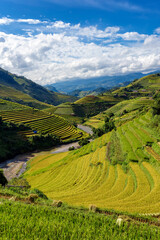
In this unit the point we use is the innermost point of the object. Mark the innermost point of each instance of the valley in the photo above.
(116, 170)
(79, 120)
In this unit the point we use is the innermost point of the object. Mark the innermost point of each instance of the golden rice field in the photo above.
(42, 122)
(86, 176)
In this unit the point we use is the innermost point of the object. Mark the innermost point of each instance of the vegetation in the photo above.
(40, 122)
(28, 214)
(21, 90)
(44, 141)
(107, 127)
(83, 141)
(67, 111)
(92, 105)
(51, 223)
(119, 170)
(123, 162)
(14, 95)
(122, 112)
(12, 143)
(145, 86)
(3, 180)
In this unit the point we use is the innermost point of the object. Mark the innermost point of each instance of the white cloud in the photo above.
(64, 51)
(60, 24)
(76, 30)
(157, 30)
(6, 21)
(133, 36)
(29, 21)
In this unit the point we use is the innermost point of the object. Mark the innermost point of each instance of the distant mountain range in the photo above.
(92, 84)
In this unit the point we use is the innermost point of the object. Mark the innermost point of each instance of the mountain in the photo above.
(13, 95)
(145, 86)
(81, 93)
(93, 83)
(51, 88)
(11, 84)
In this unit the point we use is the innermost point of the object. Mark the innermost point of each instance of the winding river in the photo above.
(16, 166)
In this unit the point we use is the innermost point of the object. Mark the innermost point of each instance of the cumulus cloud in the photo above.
(76, 30)
(6, 21)
(29, 21)
(61, 51)
(133, 36)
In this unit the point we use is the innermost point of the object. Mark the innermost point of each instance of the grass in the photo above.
(7, 105)
(23, 221)
(13, 95)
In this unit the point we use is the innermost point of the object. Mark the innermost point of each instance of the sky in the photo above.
(49, 41)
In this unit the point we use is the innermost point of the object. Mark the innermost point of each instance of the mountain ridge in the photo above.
(34, 90)
(91, 84)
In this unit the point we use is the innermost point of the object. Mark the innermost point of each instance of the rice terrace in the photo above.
(79, 120)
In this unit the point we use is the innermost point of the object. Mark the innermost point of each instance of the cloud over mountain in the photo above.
(49, 51)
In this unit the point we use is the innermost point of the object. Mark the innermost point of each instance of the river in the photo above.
(85, 129)
(16, 166)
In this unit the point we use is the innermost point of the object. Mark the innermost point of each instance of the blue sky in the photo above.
(56, 40)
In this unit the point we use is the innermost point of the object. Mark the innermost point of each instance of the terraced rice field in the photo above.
(86, 176)
(7, 105)
(42, 122)
(123, 112)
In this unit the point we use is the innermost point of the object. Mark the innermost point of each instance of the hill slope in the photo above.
(14, 95)
(124, 162)
(145, 86)
(42, 122)
(30, 88)
(121, 112)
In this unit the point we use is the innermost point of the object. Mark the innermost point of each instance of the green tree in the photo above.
(3, 179)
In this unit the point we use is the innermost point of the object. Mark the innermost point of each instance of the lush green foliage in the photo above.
(107, 127)
(13, 143)
(7, 105)
(23, 221)
(156, 107)
(122, 112)
(44, 141)
(83, 141)
(10, 142)
(24, 91)
(3, 180)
